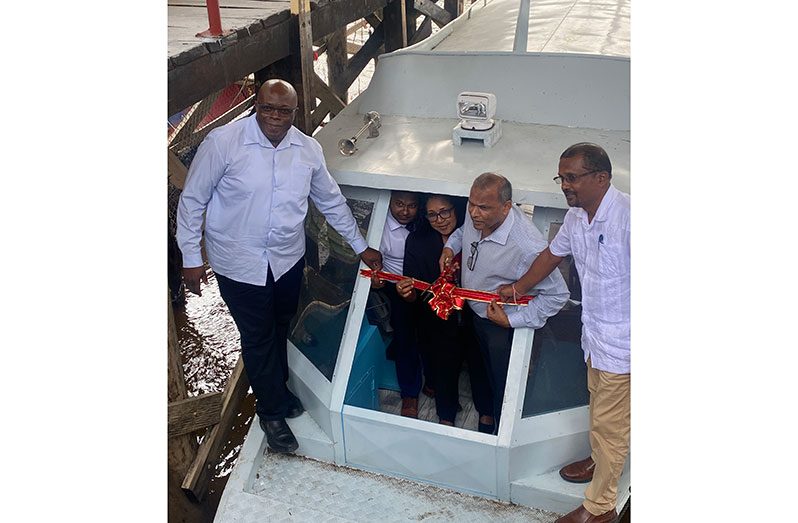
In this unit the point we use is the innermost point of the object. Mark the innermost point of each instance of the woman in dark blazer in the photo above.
(445, 342)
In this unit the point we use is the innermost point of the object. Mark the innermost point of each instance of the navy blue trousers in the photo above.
(404, 346)
(263, 314)
(448, 344)
(494, 344)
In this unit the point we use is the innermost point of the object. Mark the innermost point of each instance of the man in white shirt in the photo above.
(403, 211)
(250, 182)
(501, 243)
(596, 232)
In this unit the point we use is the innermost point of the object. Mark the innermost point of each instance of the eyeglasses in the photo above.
(472, 260)
(399, 204)
(282, 111)
(444, 214)
(571, 178)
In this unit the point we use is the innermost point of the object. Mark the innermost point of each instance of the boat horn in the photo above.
(372, 123)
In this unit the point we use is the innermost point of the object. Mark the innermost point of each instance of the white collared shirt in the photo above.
(255, 198)
(601, 251)
(392, 245)
(503, 257)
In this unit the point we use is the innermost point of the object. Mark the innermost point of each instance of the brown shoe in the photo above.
(579, 472)
(581, 515)
(429, 391)
(410, 407)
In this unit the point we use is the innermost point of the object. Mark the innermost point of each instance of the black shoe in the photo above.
(279, 436)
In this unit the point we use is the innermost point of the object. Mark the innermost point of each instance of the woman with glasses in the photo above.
(446, 342)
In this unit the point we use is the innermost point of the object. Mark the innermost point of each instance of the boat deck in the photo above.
(295, 488)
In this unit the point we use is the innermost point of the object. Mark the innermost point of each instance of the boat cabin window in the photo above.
(557, 376)
(373, 382)
(331, 269)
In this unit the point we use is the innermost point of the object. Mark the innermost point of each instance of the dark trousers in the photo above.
(449, 344)
(263, 314)
(403, 346)
(494, 344)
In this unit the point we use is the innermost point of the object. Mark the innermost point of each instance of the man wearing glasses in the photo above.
(250, 182)
(499, 243)
(402, 215)
(596, 231)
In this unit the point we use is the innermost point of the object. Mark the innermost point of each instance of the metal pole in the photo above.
(214, 20)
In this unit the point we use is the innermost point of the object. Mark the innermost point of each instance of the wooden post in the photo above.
(337, 59)
(198, 477)
(429, 8)
(412, 15)
(394, 20)
(454, 7)
(181, 449)
(300, 11)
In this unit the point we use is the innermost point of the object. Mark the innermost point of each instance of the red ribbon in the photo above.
(445, 294)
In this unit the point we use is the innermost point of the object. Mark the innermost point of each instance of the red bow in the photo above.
(446, 295)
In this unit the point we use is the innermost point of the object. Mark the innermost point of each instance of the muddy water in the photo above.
(209, 346)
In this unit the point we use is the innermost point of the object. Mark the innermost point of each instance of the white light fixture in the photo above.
(476, 110)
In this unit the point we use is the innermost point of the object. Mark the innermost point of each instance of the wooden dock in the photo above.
(260, 34)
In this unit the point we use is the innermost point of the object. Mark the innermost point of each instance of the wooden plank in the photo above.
(195, 483)
(438, 15)
(454, 7)
(327, 96)
(181, 450)
(239, 4)
(353, 48)
(300, 10)
(337, 59)
(424, 30)
(319, 114)
(358, 62)
(354, 27)
(339, 13)
(191, 414)
(373, 19)
(395, 24)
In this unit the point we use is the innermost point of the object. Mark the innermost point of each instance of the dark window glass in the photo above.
(331, 269)
(557, 374)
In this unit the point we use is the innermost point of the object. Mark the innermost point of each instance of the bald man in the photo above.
(250, 181)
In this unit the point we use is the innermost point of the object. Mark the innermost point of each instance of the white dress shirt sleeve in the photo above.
(207, 168)
(327, 197)
(552, 293)
(455, 241)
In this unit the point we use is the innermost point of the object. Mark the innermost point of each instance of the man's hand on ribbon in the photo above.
(507, 292)
(497, 315)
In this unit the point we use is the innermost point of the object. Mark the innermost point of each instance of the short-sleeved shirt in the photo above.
(601, 251)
